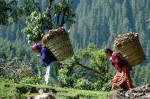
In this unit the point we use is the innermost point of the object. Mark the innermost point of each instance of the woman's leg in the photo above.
(47, 76)
(124, 87)
(54, 73)
(129, 82)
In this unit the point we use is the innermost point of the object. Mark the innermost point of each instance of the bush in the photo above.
(74, 81)
(32, 80)
(76, 75)
(15, 69)
(83, 84)
(67, 81)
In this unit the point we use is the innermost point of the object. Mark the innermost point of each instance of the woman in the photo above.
(50, 62)
(122, 78)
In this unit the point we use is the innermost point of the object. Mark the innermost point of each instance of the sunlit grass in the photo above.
(8, 90)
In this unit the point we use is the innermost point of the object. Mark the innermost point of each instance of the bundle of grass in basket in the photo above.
(59, 43)
(130, 48)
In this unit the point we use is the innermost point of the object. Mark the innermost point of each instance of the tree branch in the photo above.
(63, 19)
(89, 68)
(58, 18)
(95, 71)
(49, 6)
(37, 6)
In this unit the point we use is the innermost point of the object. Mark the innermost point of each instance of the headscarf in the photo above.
(36, 46)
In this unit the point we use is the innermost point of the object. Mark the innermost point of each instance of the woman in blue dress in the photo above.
(50, 62)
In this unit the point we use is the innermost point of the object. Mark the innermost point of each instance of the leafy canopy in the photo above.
(57, 14)
(11, 11)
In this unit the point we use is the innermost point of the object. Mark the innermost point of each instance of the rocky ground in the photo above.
(136, 93)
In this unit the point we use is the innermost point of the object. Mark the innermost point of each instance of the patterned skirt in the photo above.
(122, 79)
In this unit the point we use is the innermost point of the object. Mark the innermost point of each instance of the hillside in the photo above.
(22, 91)
(100, 21)
(25, 91)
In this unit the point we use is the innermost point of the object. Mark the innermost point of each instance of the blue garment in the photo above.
(52, 73)
(47, 56)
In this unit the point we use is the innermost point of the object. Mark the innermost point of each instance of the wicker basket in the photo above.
(130, 48)
(59, 43)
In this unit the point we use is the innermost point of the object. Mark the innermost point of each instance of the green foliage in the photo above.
(40, 22)
(94, 76)
(32, 80)
(94, 57)
(64, 8)
(8, 7)
(7, 91)
(67, 81)
(36, 26)
(83, 84)
(11, 11)
(10, 90)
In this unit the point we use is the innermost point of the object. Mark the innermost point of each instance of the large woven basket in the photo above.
(130, 48)
(59, 43)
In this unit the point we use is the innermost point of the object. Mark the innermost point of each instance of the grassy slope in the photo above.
(10, 90)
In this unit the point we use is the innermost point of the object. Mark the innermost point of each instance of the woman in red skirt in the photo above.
(122, 78)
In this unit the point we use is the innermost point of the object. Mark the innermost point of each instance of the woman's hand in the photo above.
(110, 59)
(39, 56)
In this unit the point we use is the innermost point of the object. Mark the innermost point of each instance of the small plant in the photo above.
(83, 84)
(32, 80)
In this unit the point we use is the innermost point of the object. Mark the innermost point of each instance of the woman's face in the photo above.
(36, 50)
(108, 54)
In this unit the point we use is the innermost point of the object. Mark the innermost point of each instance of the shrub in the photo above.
(83, 84)
(87, 70)
(15, 69)
(32, 80)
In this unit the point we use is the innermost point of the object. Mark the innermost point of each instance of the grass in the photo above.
(10, 90)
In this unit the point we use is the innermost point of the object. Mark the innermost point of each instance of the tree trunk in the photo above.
(63, 19)
(58, 18)
(49, 6)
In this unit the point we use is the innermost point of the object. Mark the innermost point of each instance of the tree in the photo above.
(86, 70)
(56, 15)
(11, 11)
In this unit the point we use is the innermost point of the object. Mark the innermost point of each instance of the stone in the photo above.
(42, 96)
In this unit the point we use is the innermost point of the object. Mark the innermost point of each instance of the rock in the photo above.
(148, 96)
(46, 90)
(127, 95)
(42, 96)
(135, 93)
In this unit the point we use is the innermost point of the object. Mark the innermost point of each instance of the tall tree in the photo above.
(56, 15)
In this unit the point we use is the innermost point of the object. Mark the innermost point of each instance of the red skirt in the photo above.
(122, 79)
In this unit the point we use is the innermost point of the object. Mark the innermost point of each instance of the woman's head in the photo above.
(108, 52)
(36, 47)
